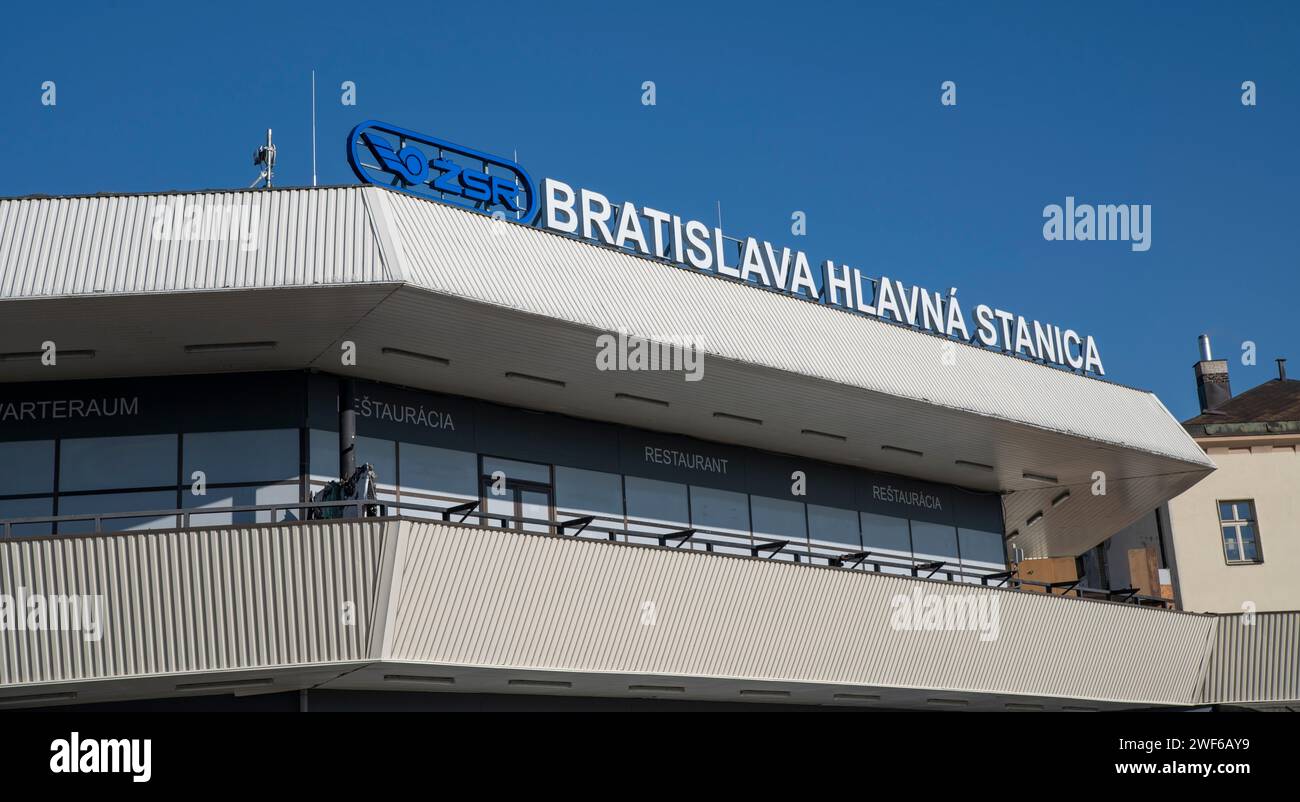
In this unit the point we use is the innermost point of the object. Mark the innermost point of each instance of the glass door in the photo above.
(517, 495)
(534, 503)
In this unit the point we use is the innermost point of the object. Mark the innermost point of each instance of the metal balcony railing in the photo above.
(636, 533)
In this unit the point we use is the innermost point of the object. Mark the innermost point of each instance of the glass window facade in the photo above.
(656, 507)
(433, 477)
(833, 527)
(240, 469)
(776, 519)
(37, 507)
(380, 453)
(133, 473)
(212, 503)
(580, 493)
(27, 485)
(644, 484)
(103, 463)
(323, 460)
(725, 515)
(887, 537)
(103, 503)
(517, 471)
(931, 541)
(241, 457)
(981, 548)
(32, 467)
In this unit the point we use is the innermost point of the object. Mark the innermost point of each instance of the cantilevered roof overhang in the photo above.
(397, 275)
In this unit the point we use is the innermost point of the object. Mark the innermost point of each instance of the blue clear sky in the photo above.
(832, 109)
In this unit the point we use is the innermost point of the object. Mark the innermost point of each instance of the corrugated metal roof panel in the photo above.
(461, 253)
(128, 243)
(330, 235)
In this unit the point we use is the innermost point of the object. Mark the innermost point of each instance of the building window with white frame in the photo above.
(1240, 533)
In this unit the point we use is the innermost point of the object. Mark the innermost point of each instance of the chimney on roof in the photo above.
(1281, 368)
(1212, 387)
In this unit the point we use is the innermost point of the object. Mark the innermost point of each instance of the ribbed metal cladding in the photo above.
(199, 600)
(103, 245)
(465, 254)
(84, 245)
(1252, 663)
(494, 598)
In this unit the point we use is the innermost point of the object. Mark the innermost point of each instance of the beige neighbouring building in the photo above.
(1234, 533)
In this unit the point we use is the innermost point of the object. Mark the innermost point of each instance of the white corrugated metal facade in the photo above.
(1256, 660)
(493, 598)
(196, 601)
(187, 607)
(469, 255)
(55, 247)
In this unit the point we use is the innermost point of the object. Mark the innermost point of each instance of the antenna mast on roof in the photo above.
(313, 128)
(264, 156)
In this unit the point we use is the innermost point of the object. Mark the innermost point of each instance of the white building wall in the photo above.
(1267, 471)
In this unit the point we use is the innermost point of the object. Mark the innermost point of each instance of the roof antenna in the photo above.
(313, 128)
(265, 156)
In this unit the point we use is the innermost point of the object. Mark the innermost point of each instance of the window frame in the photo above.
(1236, 524)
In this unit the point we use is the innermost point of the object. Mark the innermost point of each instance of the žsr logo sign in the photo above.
(425, 165)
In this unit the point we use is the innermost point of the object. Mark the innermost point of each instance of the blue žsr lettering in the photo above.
(447, 182)
(504, 192)
(474, 185)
